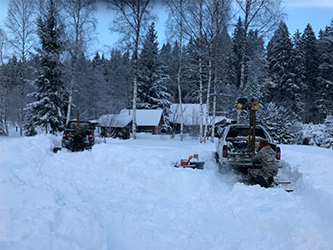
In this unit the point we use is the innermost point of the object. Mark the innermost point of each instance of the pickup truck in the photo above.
(232, 146)
(78, 136)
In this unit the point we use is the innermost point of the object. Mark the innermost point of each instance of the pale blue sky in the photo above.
(318, 13)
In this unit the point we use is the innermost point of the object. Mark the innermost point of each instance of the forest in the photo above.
(217, 52)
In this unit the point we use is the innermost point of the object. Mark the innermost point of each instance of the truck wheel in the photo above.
(216, 156)
(223, 168)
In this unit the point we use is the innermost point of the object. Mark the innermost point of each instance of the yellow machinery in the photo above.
(252, 106)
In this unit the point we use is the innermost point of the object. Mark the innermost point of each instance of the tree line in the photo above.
(209, 59)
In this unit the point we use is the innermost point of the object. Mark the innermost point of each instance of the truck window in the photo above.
(243, 132)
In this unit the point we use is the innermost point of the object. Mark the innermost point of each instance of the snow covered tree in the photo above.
(169, 59)
(152, 92)
(118, 82)
(261, 15)
(257, 76)
(278, 121)
(313, 97)
(10, 75)
(236, 58)
(279, 57)
(328, 142)
(96, 97)
(298, 77)
(325, 80)
(49, 105)
(190, 82)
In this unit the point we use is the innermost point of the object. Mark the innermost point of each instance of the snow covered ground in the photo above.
(126, 194)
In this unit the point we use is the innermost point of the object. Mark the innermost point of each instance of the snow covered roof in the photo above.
(145, 117)
(115, 120)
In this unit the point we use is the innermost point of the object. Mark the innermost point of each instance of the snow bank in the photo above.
(127, 195)
(313, 168)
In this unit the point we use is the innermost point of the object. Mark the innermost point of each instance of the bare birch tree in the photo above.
(20, 23)
(132, 17)
(176, 10)
(3, 94)
(192, 23)
(218, 15)
(81, 24)
(200, 69)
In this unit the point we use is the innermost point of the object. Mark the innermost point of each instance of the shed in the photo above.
(116, 125)
(147, 120)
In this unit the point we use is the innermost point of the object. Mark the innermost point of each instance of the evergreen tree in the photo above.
(169, 58)
(86, 99)
(190, 80)
(226, 74)
(152, 92)
(277, 120)
(298, 106)
(97, 83)
(10, 76)
(279, 57)
(313, 95)
(325, 80)
(236, 59)
(257, 67)
(118, 84)
(48, 108)
(127, 74)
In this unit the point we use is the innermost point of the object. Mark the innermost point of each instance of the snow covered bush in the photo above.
(317, 134)
(328, 123)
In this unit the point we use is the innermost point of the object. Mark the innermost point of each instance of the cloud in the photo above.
(309, 3)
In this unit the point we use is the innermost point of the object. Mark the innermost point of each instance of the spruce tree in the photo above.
(311, 72)
(237, 44)
(279, 57)
(118, 84)
(48, 108)
(325, 80)
(190, 83)
(195, 50)
(277, 120)
(97, 85)
(257, 68)
(127, 74)
(152, 92)
(328, 123)
(170, 69)
(298, 77)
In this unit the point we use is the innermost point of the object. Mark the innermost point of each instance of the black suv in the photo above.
(78, 136)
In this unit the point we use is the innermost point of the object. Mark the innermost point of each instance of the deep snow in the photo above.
(126, 194)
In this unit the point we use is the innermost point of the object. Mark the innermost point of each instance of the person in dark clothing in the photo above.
(264, 176)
